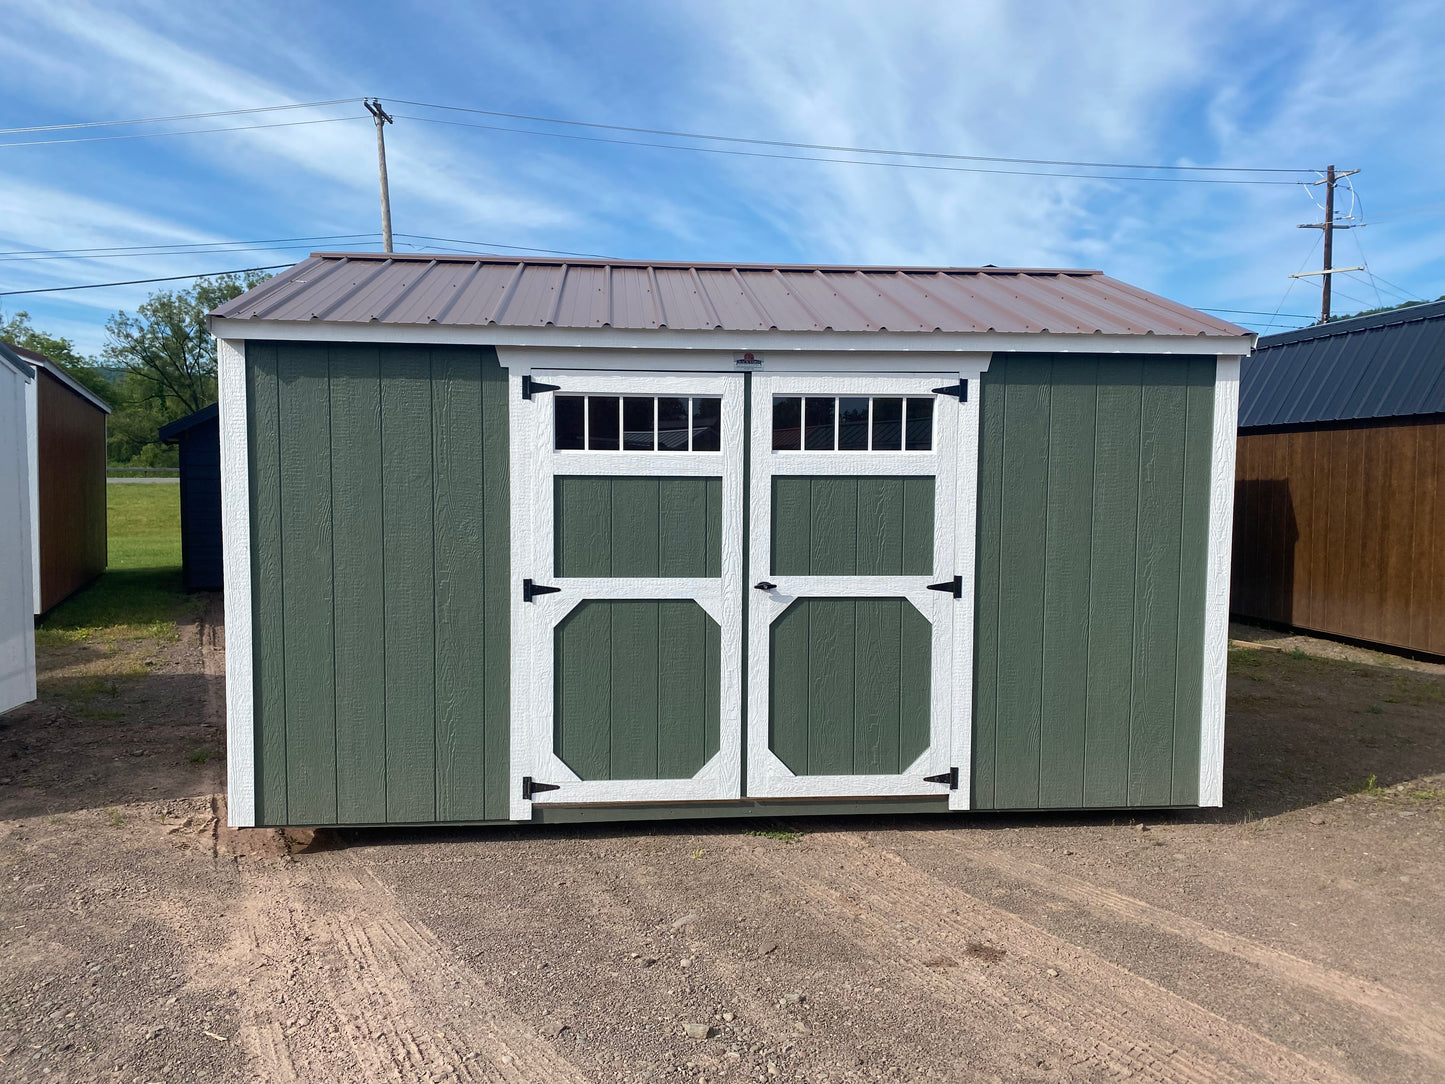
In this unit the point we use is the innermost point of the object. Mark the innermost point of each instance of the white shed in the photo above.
(17, 608)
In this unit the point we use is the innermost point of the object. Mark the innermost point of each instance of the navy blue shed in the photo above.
(199, 437)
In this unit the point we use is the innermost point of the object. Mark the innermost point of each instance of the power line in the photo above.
(841, 161)
(141, 282)
(1256, 312)
(497, 244)
(179, 116)
(837, 148)
(184, 131)
(178, 248)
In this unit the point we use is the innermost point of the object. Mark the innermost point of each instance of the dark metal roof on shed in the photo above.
(174, 429)
(478, 291)
(1387, 365)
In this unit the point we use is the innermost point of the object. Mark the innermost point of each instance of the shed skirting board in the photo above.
(1216, 630)
(236, 533)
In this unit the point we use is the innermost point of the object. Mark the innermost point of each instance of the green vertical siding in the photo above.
(379, 489)
(836, 526)
(636, 689)
(850, 686)
(1092, 530)
(637, 527)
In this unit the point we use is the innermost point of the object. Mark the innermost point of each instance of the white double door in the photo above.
(703, 614)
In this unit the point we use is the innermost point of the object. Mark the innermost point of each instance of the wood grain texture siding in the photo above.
(200, 484)
(1092, 529)
(358, 571)
(459, 571)
(838, 526)
(306, 584)
(637, 526)
(850, 686)
(268, 637)
(70, 475)
(1338, 530)
(380, 574)
(636, 689)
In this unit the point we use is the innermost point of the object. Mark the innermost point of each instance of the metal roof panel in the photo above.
(1386, 365)
(475, 291)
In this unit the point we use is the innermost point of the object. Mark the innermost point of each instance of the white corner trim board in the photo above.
(1216, 605)
(236, 532)
(17, 606)
(32, 440)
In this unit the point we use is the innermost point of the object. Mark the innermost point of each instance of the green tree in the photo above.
(18, 331)
(165, 351)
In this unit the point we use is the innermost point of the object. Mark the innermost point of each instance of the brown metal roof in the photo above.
(477, 291)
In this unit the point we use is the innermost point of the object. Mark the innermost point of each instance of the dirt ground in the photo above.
(1296, 935)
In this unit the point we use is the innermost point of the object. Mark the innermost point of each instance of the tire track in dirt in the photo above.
(1415, 1027)
(385, 1000)
(1100, 1018)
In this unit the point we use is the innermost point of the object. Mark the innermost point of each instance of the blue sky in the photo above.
(1279, 85)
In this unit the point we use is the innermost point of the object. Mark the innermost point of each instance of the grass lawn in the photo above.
(140, 594)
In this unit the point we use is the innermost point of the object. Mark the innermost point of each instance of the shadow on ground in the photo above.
(123, 721)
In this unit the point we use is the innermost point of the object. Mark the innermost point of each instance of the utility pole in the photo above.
(1329, 225)
(382, 117)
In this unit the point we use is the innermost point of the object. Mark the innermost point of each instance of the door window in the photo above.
(852, 423)
(637, 423)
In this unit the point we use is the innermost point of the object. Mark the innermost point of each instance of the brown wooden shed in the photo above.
(66, 425)
(1340, 480)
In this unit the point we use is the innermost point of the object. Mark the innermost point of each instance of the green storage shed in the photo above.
(530, 540)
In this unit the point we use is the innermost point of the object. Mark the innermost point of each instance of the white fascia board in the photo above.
(939, 364)
(236, 560)
(1216, 602)
(761, 342)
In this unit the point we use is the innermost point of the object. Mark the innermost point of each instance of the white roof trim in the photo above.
(758, 341)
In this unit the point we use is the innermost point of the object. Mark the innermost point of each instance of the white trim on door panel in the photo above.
(768, 776)
(535, 464)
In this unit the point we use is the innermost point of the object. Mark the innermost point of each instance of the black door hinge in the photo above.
(950, 777)
(531, 590)
(960, 390)
(529, 386)
(954, 586)
(530, 787)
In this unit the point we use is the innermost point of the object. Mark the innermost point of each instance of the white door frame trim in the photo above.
(535, 463)
(953, 463)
